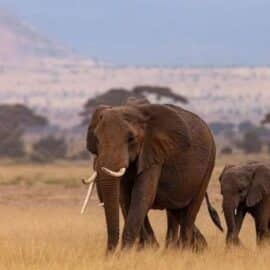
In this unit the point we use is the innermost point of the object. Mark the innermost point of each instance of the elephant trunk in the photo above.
(109, 188)
(229, 208)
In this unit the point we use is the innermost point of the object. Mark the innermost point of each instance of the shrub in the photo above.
(11, 142)
(227, 150)
(251, 142)
(49, 149)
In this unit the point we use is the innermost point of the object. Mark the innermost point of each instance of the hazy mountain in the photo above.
(57, 84)
(156, 32)
(20, 41)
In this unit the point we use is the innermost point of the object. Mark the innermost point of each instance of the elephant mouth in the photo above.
(92, 181)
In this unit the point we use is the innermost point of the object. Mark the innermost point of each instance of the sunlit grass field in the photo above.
(41, 227)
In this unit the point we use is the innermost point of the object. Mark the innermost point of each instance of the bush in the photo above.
(251, 142)
(268, 148)
(227, 150)
(83, 155)
(11, 142)
(14, 120)
(49, 149)
(245, 126)
(219, 127)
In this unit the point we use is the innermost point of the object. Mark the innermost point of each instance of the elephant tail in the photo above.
(213, 213)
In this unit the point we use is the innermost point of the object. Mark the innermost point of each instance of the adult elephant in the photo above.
(246, 189)
(175, 218)
(150, 156)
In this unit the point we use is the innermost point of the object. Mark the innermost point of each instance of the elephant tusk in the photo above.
(88, 195)
(101, 204)
(90, 179)
(120, 173)
(235, 211)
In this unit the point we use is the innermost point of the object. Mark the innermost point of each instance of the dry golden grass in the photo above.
(51, 234)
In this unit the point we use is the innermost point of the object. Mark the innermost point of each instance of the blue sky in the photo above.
(156, 32)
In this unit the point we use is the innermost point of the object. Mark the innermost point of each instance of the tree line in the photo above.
(16, 120)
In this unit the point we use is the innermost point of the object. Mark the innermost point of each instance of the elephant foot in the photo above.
(263, 239)
(147, 239)
(198, 242)
(185, 241)
(110, 251)
(148, 243)
(172, 240)
(128, 241)
(233, 241)
(174, 244)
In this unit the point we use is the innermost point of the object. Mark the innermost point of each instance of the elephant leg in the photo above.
(147, 235)
(192, 210)
(188, 224)
(262, 230)
(241, 213)
(172, 229)
(198, 242)
(142, 198)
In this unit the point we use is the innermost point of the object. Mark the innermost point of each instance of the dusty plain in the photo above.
(41, 227)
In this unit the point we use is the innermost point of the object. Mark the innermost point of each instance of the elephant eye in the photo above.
(241, 189)
(131, 138)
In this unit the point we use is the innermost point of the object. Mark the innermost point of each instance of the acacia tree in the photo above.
(119, 96)
(266, 119)
(251, 142)
(18, 115)
(14, 120)
(49, 149)
(11, 141)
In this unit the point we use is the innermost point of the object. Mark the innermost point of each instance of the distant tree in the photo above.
(82, 155)
(20, 116)
(49, 149)
(160, 92)
(119, 96)
(218, 127)
(245, 126)
(11, 142)
(14, 119)
(266, 119)
(251, 142)
(113, 97)
(227, 150)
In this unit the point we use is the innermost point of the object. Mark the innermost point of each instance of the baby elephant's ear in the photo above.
(260, 185)
(228, 166)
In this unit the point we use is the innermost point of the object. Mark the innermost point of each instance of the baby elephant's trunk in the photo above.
(213, 213)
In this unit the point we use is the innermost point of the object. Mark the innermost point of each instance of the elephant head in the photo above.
(246, 185)
(137, 134)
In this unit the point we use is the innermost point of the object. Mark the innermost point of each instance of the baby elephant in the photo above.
(246, 189)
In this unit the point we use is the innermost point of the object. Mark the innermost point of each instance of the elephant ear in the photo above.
(166, 133)
(91, 140)
(228, 166)
(260, 185)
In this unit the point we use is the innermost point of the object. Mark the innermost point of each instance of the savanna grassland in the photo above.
(41, 227)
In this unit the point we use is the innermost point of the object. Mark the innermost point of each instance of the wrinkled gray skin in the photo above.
(246, 189)
(169, 154)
